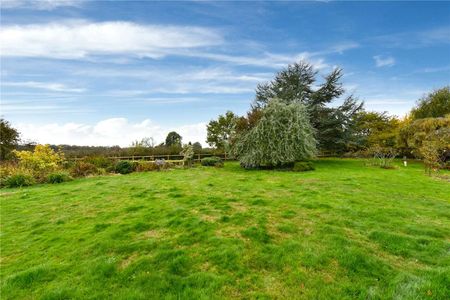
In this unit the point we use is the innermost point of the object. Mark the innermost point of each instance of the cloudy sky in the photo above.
(110, 72)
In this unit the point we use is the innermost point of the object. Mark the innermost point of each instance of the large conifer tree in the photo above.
(297, 83)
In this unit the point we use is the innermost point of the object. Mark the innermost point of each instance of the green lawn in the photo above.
(343, 231)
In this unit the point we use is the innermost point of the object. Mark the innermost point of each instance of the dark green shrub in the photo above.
(82, 169)
(302, 166)
(125, 167)
(58, 177)
(111, 169)
(19, 180)
(212, 161)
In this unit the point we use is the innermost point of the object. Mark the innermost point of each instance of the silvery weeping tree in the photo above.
(298, 84)
(275, 136)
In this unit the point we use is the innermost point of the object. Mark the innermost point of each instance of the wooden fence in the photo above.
(168, 157)
(177, 157)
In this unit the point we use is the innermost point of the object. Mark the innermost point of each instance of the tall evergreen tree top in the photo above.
(295, 84)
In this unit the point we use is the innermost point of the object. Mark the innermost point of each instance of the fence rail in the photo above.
(197, 157)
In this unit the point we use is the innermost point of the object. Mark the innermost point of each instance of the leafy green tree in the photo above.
(282, 136)
(197, 147)
(376, 128)
(221, 130)
(173, 139)
(246, 123)
(295, 84)
(420, 135)
(435, 104)
(9, 138)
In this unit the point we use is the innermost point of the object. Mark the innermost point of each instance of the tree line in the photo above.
(10, 140)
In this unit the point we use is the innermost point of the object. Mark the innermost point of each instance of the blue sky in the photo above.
(110, 72)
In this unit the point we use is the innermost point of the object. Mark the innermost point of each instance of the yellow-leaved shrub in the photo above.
(41, 161)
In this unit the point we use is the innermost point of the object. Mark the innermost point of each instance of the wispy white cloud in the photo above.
(220, 74)
(118, 41)
(108, 132)
(275, 60)
(40, 109)
(217, 80)
(40, 4)
(415, 39)
(433, 69)
(180, 89)
(269, 60)
(50, 86)
(80, 39)
(344, 46)
(205, 89)
(164, 100)
(435, 36)
(384, 61)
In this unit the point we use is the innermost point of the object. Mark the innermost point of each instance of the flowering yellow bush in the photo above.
(42, 159)
(6, 169)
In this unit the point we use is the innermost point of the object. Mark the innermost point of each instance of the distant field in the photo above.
(342, 231)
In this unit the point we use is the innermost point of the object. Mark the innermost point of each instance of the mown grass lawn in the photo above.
(343, 231)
